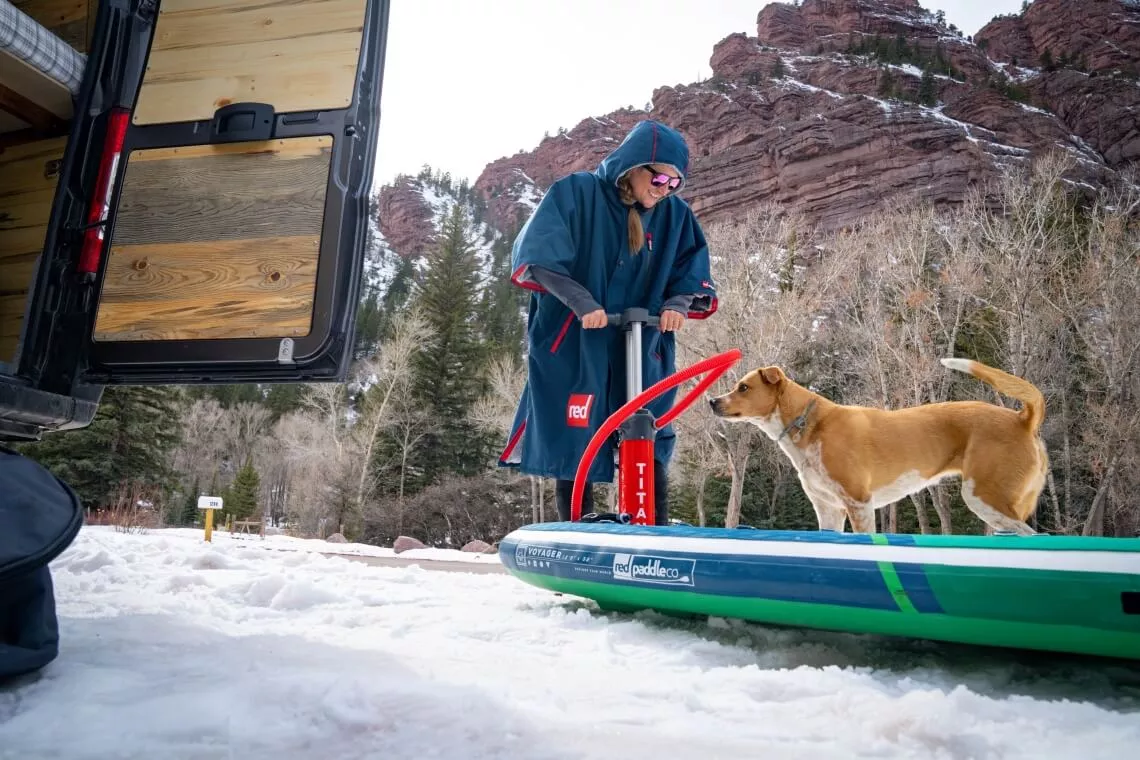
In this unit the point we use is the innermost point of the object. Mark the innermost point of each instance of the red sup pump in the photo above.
(636, 426)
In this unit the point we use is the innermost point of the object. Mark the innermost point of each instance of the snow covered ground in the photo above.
(173, 648)
(222, 538)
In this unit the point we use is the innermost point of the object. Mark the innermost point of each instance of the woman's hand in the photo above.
(594, 319)
(671, 320)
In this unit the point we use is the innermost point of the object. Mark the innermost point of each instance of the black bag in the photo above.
(40, 516)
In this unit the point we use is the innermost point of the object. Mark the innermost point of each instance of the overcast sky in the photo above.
(468, 82)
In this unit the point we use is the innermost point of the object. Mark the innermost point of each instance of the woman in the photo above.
(599, 242)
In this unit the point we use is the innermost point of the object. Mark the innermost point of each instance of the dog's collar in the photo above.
(799, 422)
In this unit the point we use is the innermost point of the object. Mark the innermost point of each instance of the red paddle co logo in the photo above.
(578, 410)
(648, 568)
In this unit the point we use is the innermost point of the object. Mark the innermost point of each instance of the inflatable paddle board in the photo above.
(1055, 593)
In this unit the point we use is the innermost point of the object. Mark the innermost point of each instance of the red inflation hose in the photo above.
(714, 365)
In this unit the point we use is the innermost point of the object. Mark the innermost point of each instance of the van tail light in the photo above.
(95, 231)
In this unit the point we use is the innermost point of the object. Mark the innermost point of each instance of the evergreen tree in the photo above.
(129, 441)
(448, 374)
(941, 64)
(901, 52)
(369, 319)
(282, 398)
(242, 501)
(397, 295)
(189, 513)
(227, 395)
(503, 304)
(927, 92)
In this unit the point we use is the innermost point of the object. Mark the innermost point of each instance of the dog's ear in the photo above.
(772, 375)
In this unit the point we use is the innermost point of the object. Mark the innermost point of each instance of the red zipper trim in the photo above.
(562, 332)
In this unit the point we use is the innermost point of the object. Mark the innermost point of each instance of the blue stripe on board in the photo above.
(811, 580)
(917, 586)
(912, 575)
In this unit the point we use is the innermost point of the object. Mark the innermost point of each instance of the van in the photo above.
(184, 194)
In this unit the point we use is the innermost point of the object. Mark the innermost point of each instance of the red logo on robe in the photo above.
(578, 410)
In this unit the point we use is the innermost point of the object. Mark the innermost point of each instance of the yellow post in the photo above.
(209, 503)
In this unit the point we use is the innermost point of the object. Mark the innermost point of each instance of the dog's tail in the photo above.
(1033, 402)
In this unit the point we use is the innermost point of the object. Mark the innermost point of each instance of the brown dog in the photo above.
(853, 460)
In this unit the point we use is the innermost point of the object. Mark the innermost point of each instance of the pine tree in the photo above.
(369, 319)
(129, 441)
(189, 513)
(243, 493)
(282, 398)
(227, 395)
(927, 92)
(448, 373)
(901, 50)
(503, 304)
(397, 295)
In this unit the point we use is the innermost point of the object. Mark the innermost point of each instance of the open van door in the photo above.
(212, 219)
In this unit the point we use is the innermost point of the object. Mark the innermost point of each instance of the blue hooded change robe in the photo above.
(577, 377)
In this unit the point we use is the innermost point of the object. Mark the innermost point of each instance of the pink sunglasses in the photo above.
(660, 179)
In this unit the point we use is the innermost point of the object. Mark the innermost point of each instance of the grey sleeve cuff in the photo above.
(681, 303)
(565, 289)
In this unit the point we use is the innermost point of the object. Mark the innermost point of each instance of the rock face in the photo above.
(837, 108)
(513, 186)
(1080, 59)
(1095, 35)
(405, 217)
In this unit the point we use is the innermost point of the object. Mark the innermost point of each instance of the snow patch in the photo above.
(1034, 109)
(809, 87)
(404, 663)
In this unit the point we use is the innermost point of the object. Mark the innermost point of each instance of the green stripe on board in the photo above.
(891, 578)
(1062, 636)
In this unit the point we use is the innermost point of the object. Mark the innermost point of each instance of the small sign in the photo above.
(209, 502)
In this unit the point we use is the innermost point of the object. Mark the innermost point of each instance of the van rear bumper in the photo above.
(26, 413)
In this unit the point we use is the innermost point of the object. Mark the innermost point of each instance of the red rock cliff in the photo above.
(838, 108)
